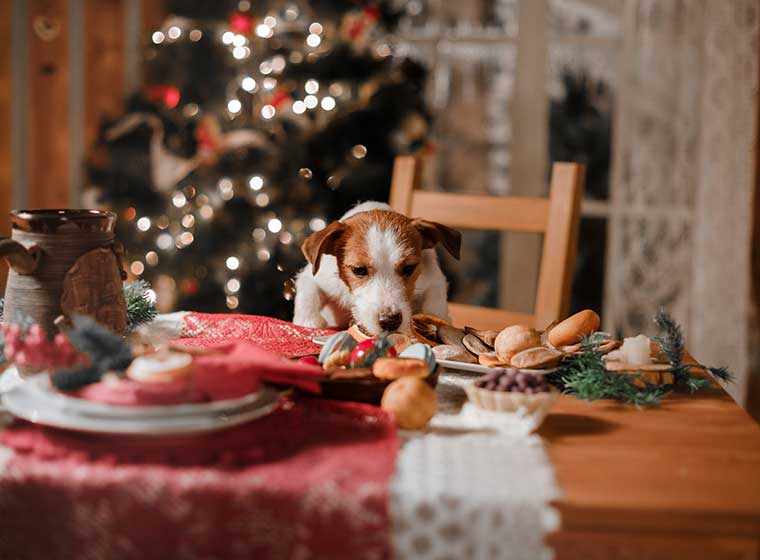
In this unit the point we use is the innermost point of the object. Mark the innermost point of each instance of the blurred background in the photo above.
(223, 133)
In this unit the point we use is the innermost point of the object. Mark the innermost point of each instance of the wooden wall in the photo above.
(64, 65)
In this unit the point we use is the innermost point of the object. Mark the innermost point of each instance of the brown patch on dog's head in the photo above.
(433, 233)
(322, 242)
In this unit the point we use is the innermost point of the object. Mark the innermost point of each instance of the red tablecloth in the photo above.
(308, 481)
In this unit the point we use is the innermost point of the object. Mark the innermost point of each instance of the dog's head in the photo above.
(378, 254)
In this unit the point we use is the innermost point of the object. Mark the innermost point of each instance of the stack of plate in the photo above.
(33, 399)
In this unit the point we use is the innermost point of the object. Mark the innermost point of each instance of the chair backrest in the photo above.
(557, 217)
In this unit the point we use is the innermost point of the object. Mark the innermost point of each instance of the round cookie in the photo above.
(491, 360)
(160, 367)
(412, 401)
(395, 368)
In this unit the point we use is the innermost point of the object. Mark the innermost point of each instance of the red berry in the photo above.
(311, 360)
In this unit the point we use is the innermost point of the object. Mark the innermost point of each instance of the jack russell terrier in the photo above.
(374, 266)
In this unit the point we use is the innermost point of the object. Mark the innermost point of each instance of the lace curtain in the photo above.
(684, 166)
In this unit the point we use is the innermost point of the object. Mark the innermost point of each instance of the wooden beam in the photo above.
(104, 63)
(6, 164)
(523, 214)
(753, 389)
(48, 104)
(153, 14)
(520, 254)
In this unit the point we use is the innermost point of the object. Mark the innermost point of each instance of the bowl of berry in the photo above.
(513, 391)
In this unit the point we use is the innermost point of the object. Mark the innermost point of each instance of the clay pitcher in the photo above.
(63, 262)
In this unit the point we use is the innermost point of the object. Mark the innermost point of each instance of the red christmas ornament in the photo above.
(241, 23)
(280, 96)
(166, 94)
(189, 286)
(367, 351)
(368, 17)
(372, 13)
(206, 136)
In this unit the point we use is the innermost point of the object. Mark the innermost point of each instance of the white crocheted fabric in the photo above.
(475, 484)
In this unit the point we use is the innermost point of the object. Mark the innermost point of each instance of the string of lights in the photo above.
(240, 177)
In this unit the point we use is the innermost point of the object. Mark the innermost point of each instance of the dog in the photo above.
(375, 267)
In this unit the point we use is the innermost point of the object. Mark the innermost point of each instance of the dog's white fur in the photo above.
(323, 299)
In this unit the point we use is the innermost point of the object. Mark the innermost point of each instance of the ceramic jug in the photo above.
(63, 262)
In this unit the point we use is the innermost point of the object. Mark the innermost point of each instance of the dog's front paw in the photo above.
(310, 322)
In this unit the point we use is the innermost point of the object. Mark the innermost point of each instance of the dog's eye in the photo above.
(408, 270)
(360, 271)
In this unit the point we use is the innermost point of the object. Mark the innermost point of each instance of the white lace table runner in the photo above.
(474, 485)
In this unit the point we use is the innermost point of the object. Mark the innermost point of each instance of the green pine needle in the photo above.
(585, 377)
(140, 306)
(671, 337)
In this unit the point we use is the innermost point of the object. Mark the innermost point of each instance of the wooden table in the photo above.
(681, 480)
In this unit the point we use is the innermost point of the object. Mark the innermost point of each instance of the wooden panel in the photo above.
(482, 212)
(48, 104)
(560, 243)
(689, 467)
(486, 318)
(6, 165)
(154, 12)
(104, 63)
(753, 389)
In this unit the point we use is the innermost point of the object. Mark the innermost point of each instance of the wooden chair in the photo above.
(557, 217)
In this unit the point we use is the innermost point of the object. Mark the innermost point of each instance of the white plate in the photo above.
(477, 368)
(321, 339)
(34, 401)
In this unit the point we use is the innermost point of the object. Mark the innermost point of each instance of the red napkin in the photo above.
(234, 369)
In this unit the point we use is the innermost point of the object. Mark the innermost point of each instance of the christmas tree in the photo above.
(258, 123)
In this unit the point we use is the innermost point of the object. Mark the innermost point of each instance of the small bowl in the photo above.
(535, 405)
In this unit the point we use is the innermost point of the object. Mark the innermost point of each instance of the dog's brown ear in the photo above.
(321, 242)
(433, 233)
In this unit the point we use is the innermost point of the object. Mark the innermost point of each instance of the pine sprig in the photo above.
(671, 342)
(141, 308)
(671, 337)
(586, 377)
(106, 351)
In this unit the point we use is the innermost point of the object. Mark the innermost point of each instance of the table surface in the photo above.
(681, 479)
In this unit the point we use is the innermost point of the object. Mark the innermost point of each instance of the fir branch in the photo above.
(672, 345)
(106, 350)
(141, 308)
(70, 379)
(586, 377)
(722, 373)
(671, 337)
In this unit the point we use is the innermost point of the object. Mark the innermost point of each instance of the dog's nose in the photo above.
(390, 323)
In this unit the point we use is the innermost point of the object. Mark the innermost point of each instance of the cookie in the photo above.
(395, 368)
(160, 367)
(412, 402)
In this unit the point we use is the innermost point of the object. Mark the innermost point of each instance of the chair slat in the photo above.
(555, 276)
(521, 214)
(486, 318)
